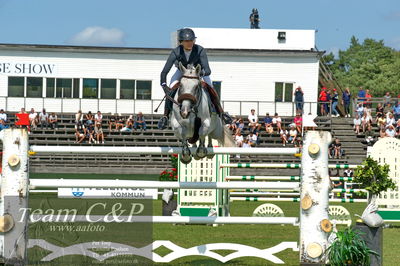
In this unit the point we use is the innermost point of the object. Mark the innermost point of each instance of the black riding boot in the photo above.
(163, 122)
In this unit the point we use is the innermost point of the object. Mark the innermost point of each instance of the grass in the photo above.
(260, 236)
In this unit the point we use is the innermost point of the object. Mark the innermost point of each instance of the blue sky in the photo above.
(148, 23)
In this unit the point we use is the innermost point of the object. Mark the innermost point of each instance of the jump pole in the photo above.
(283, 165)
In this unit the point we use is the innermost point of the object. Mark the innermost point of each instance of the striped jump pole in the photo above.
(156, 150)
(255, 178)
(292, 199)
(349, 190)
(90, 183)
(283, 165)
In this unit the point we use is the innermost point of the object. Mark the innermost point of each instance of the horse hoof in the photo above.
(210, 156)
(196, 157)
(201, 152)
(186, 160)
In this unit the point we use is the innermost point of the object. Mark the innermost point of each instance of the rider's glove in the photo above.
(165, 87)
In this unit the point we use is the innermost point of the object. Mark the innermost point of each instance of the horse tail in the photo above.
(227, 140)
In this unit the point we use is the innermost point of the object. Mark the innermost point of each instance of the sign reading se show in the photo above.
(27, 68)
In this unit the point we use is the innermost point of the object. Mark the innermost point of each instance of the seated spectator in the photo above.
(233, 125)
(112, 122)
(382, 132)
(246, 144)
(357, 124)
(365, 121)
(3, 124)
(79, 117)
(239, 139)
(89, 118)
(398, 127)
(252, 138)
(3, 115)
(268, 124)
(292, 134)
(390, 132)
(33, 118)
(360, 110)
(44, 119)
(387, 109)
(129, 125)
(387, 98)
(337, 148)
(253, 121)
(240, 126)
(390, 120)
(298, 143)
(120, 122)
(53, 121)
(369, 137)
(379, 110)
(99, 133)
(23, 119)
(90, 133)
(381, 121)
(98, 118)
(80, 132)
(283, 134)
(298, 121)
(396, 111)
(277, 122)
(140, 121)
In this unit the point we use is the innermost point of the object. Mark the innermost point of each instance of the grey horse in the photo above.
(193, 114)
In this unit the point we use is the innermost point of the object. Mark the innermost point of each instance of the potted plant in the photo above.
(169, 203)
(349, 248)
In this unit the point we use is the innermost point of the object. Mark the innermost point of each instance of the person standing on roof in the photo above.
(188, 53)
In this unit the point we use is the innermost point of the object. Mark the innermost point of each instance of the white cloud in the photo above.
(98, 36)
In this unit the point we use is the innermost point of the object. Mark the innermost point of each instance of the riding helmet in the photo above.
(186, 34)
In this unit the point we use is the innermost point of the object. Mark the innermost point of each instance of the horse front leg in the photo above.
(186, 155)
(201, 150)
(211, 155)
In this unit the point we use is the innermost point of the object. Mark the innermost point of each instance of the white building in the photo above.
(250, 68)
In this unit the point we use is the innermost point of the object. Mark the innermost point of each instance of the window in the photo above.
(283, 92)
(50, 87)
(16, 86)
(76, 88)
(143, 90)
(127, 89)
(64, 88)
(217, 87)
(90, 88)
(34, 87)
(108, 88)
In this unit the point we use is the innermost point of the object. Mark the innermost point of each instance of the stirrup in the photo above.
(226, 118)
(162, 123)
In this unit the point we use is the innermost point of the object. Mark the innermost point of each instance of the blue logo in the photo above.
(77, 193)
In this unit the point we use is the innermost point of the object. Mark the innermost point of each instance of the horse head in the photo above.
(189, 90)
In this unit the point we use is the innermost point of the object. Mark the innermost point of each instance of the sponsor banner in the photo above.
(114, 193)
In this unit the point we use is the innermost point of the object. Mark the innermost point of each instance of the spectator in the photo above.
(120, 122)
(90, 133)
(335, 99)
(128, 125)
(99, 133)
(112, 122)
(53, 121)
(298, 143)
(369, 137)
(366, 121)
(23, 119)
(337, 149)
(387, 98)
(79, 117)
(233, 125)
(396, 111)
(381, 121)
(298, 121)
(390, 132)
(3, 115)
(33, 118)
(398, 127)
(292, 134)
(80, 132)
(361, 95)
(239, 139)
(44, 119)
(382, 132)
(277, 122)
(140, 121)
(379, 110)
(240, 126)
(89, 118)
(3, 124)
(346, 99)
(360, 110)
(368, 98)
(253, 121)
(246, 144)
(299, 99)
(98, 118)
(390, 120)
(283, 134)
(252, 138)
(387, 109)
(357, 124)
(323, 99)
(268, 124)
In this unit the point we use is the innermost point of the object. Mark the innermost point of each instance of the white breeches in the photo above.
(177, 76)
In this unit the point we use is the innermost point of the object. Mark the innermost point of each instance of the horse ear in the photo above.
(181, 67)
(198, 69)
